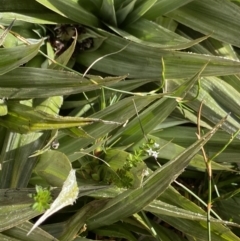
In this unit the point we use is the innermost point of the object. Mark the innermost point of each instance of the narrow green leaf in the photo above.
(3, 107)
(64, 58)
(216, 108)
(107, 12)
(72, 10)
(160, 208)
(4, 34)
(16, 164)
(24, 119)
(29, 11)
(11, 58)
(140, 8)
(7, 238)
(151, 34)
(77, 222)
(13, 215)
(23, 83)
(161, 7)
(115, 230)
(50, 105)
(215, 20)
(124, 10)
(199, 229)
(20, 232)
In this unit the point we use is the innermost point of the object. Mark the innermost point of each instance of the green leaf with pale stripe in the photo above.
(24, 119)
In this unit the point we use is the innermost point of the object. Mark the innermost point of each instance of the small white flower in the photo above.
(156, 145)
(155, 154)
(152, 153)
(149, 151)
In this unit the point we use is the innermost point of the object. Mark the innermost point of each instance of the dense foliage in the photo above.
(119, 120)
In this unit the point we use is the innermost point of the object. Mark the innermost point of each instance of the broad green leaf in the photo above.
(23, 83)
(20, 232)
(169, 150)
(227, 208)
(132, 201)
(72, 10)
(175, 138)
(156, 45)
(54, 167)
(50, 105)
(141, 61)
(173, 197)
(11, 58)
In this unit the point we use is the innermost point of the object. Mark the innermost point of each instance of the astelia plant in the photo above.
(69, 72)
